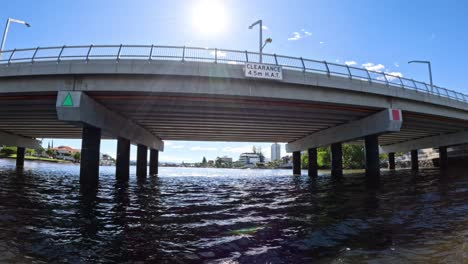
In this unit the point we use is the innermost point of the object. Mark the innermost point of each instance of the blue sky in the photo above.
(380, 34)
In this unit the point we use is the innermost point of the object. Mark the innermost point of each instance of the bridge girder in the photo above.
(79, 108)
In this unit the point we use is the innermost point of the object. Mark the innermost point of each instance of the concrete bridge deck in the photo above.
(193, 98)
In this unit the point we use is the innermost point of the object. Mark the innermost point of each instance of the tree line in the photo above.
(353, 157)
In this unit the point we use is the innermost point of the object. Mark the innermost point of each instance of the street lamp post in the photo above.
(5, 33)
(261, 44)
(430, 71)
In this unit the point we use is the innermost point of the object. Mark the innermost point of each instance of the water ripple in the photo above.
(231, 216)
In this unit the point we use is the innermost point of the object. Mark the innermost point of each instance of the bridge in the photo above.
(145, 94)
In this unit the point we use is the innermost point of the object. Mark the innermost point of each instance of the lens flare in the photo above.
(209, 17)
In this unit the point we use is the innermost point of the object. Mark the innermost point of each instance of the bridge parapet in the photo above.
(214, 55)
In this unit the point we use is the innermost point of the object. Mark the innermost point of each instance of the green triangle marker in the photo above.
(68, 101)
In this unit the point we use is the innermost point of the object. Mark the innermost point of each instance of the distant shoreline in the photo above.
(32, 158)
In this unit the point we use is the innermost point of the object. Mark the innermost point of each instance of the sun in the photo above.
(209, 17)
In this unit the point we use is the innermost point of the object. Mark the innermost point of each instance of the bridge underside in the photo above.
(211, 118)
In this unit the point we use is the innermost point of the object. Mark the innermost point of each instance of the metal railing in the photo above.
(182, 53)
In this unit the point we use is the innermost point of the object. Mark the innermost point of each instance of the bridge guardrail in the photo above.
(182, 53)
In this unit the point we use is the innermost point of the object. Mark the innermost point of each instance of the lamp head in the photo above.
(268, 40)
(254, 24)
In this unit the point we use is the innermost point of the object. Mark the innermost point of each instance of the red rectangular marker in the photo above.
(396, 115)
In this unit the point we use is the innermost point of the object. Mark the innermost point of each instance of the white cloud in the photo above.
(350, 63)
(295, 36)
(391, 75)
(177, 147)
(307, 33)
(299, 35)
(373, 67)
(238, 150)
(196, 148)
(396, 64)
(396, 74)
(219, 53)
(321, 42)
(264, 27)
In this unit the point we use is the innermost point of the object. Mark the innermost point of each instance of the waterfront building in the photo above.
(225, 159)
(249, 158)
(275, 152)
(106, 160)
(65, 152)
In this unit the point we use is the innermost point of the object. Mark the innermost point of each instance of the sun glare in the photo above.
(209, 17)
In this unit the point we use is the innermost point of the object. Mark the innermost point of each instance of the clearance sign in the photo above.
(263, 71)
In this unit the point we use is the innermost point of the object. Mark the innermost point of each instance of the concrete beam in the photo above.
(313, 165)
(443, 158)
(414, 160)
(336, 150)
(388, 120)
(122, 165)
(445, 140)
(372, 156)
(81, 108)
(90, 154)
(153, 164)
(8, 139)
(20, 153)
(203, 77)
(391, 161)
(142, 162)
(297, 163)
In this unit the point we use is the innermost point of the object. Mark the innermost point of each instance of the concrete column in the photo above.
(297, 163)
(154, 159)
(414, 160)
(372, 156)
(122, 165)
(20, 157)
(336, 159)
(313, 166)
(142, 161)
(90, 146)
(391, 161)
(443, 158)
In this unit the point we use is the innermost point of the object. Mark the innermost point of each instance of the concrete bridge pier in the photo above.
(372, 156)
(414, 160)
(443, 158)
(142, 161)
(122, 165)
(20, 151)
(297, 163)
(313, 166)
(77, 107)
(154, 159)
(391, 161)
(90, 154)
(21, 144)
(337, 159)
(385, 121)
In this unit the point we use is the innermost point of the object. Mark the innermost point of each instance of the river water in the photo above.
(232, 216)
